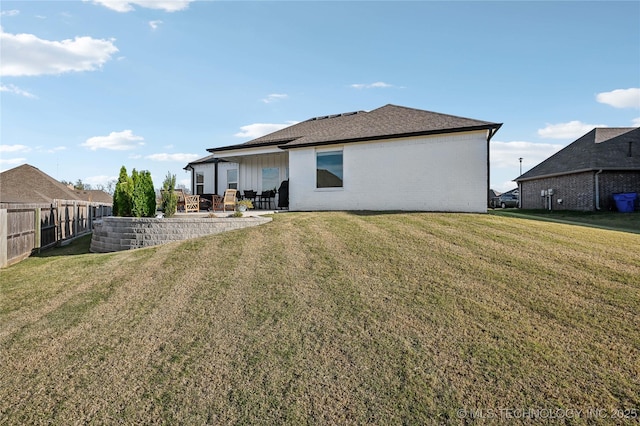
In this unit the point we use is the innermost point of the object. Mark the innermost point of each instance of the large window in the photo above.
(232, 179)
(270, 178)
(329, 169)
(199, 183)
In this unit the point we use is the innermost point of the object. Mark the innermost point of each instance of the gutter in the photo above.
(492, 127)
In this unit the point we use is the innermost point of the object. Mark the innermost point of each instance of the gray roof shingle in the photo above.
(387, 122)
(602, 148)
(27, 184)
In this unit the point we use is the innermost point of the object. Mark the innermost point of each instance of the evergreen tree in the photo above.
(150, 194)
(122, 196)
(169, 197)
(138, 203)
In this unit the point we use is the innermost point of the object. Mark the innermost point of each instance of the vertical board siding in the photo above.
(59, 221)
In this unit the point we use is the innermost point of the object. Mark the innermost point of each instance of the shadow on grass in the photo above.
(78, 246)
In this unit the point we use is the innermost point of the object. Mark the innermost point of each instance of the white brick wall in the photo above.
(437, 173)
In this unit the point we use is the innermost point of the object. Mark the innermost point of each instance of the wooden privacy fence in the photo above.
(25, 228)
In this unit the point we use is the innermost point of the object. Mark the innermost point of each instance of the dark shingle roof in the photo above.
(93, 195)
(27, 184)
(387, 122)
(601, 148)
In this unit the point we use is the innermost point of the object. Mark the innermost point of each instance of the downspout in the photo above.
(490, 134)
(215, 176)
(597, 183)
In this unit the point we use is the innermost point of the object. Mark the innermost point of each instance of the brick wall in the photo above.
(577, 191)
(616, 182)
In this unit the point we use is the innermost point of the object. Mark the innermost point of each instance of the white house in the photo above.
(390, 158)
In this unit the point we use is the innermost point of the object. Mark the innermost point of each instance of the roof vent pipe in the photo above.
(630, 153)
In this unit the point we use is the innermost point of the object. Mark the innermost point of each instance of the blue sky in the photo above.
(89, 86)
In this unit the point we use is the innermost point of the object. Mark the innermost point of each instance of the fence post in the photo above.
(37, 229)
(3, 238)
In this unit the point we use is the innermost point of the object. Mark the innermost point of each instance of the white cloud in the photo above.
(12, 12)
(128, 5)
(260, 129)
(506, 155)
(99, 180)
(155, 24)
(621, 98)
(571, 130)
(117, 141)
(178, 157)
(56, 149)
(505, 186)
(16, 90)
(376, 85)
(28, 55)
(636, 122)
(14, 148)
(273, 97)
(12, 161)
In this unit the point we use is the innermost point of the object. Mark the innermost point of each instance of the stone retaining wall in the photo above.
(124, 233)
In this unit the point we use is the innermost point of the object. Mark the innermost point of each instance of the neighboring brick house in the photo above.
(585, 174)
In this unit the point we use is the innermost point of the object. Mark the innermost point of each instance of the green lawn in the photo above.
(628, 222)
(329, 318)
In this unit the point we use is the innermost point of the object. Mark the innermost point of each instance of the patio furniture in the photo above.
(229, 199)
(217, 202)
(186, 202)
(250, 195)
(265, 199)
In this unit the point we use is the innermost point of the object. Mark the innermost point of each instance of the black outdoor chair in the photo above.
(265, 199)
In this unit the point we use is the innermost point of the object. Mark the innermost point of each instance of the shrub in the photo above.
(123, 195)
(144, 195)
(169, 197)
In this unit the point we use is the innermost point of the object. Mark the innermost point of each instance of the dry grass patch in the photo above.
(327, 318)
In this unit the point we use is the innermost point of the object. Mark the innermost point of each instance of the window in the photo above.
(199, 183)
(232, 179)
(270, 178)
(329, 169)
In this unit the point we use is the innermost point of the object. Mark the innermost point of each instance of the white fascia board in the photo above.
(248, 152)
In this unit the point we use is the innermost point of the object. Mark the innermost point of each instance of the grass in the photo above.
(628, 222)
(327, 318)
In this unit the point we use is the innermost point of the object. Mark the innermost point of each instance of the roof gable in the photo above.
(601, 148)
(28, 184)
(387, 122)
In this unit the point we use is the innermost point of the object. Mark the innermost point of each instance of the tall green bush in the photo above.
(134, 195)
(144, 195)
(169, 197)
(123, 195)
(150, 193)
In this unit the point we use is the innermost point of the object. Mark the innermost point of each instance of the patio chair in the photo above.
(250, 195)
(180, 194)
(265, 198)
(191, 203)
(217, 202)
(229, 199)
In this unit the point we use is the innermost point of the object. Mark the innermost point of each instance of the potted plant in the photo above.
(243, 205)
